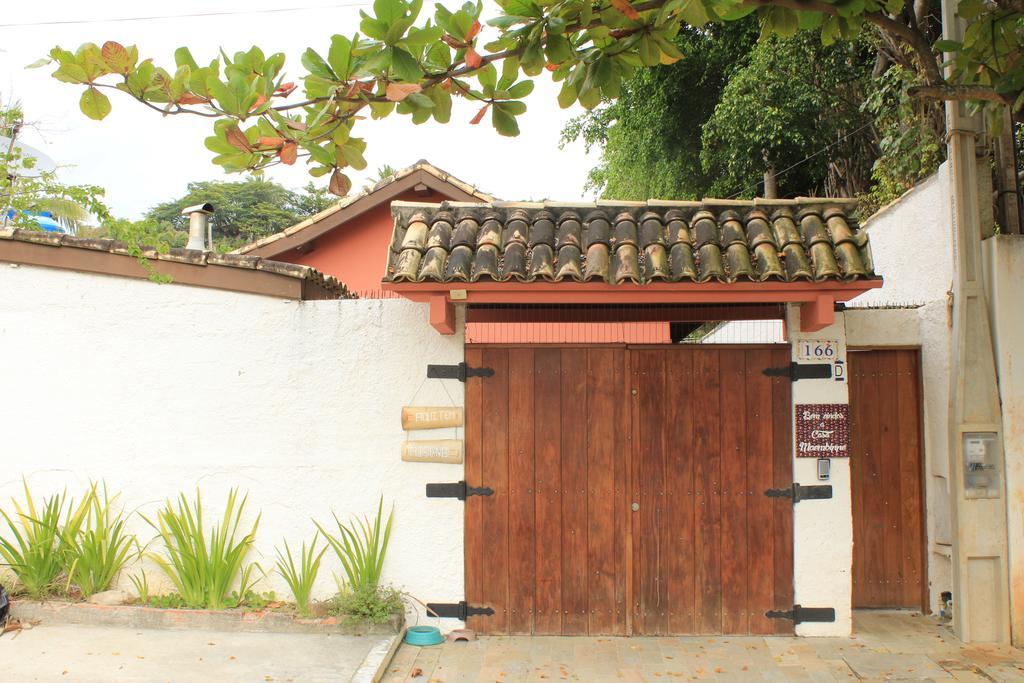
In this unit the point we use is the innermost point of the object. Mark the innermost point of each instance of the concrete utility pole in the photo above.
(981, 598)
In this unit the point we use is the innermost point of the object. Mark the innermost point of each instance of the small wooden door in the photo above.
(628, 490)
(886, 479)
(711, 552)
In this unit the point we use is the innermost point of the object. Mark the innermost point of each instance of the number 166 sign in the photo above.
(817, 349)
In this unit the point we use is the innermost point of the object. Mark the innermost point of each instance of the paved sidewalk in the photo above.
(103, 655)
(888, 646)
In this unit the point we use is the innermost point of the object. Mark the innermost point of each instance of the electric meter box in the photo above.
(982, 476)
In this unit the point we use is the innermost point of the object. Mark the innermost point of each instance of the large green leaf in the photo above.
(94, 104)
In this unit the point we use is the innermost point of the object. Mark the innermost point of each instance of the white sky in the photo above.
(142, 159)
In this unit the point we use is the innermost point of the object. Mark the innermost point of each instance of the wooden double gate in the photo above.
(628, 490)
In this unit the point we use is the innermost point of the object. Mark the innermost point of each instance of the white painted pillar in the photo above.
(822, 529)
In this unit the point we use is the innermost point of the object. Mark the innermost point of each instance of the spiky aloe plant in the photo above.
(301, 577)
(204, 569)
(32, 546)
(361, 547)
(96, 548)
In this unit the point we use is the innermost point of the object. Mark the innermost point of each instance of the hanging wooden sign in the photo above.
(436, 450)
(431, 417)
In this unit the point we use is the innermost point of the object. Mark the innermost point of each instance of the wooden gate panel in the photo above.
(474, 543)
(601, 501)
(908, 385)
(651, 603)
(522, 532)
(548, 488)
(734, 458)
(760, 545)
(707, 477)
(574, 492)
(494, 472)
(567, 447)
(886, 471)
(782, 513)
(679, 460)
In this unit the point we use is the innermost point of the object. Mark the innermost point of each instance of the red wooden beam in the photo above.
(442, 314)
(818, 298)
(627, 313)
(818, 313)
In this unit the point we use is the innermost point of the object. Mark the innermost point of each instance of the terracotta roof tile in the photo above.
(628, 242)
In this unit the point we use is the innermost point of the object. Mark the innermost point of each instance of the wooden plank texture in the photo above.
(887, 480)
(473, 535)
(548, 486)
(707, 445)
(680, 454)
(575, 619)
(759, 509)
(495, 559)
(601, 548)
(733, 445)
(570, 437)
(782, 510)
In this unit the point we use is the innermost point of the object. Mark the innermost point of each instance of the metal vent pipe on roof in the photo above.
(198, 226)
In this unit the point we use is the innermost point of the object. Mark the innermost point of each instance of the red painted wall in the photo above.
(356, 253)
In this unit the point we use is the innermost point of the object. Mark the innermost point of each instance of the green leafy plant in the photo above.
(32, 546)
(300, 577)
(400, 62)
(141, 583)
(361, 546)
(252, 599)
(204, 567)
(373, 604)
(96, 547)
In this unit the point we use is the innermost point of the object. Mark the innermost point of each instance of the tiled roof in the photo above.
(421, 165)
(317, 285)
(620, 242)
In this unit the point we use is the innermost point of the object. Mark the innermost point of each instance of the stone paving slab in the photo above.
(96, 654)
(888, 645)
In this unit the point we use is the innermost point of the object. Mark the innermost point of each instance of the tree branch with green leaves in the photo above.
(400, 64)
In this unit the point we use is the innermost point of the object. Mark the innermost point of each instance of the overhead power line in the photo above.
(806, 159)
(158, 17)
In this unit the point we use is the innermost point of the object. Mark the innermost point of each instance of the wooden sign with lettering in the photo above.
(822, 430)
(438, 450)
(431, 417)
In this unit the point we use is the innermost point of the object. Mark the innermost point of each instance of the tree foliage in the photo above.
(25, 190)
(244, 211)
(650, 136)
(828, 120)
(401, 63)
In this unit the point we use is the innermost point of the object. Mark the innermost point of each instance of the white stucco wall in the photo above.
(159, 389)
(910, 243)
(822, 529)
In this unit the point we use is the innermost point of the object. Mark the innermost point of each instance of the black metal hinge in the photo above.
(800, 492)
(800, 614)
(458, 490)
(459, 372)
(456, 610)
(796, 371)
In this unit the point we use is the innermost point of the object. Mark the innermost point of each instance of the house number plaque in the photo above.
(822, 430)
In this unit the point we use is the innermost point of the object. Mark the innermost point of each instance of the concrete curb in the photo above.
(376, 662)
(232, 621)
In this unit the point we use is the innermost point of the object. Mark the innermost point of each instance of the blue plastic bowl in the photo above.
(423, 636)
